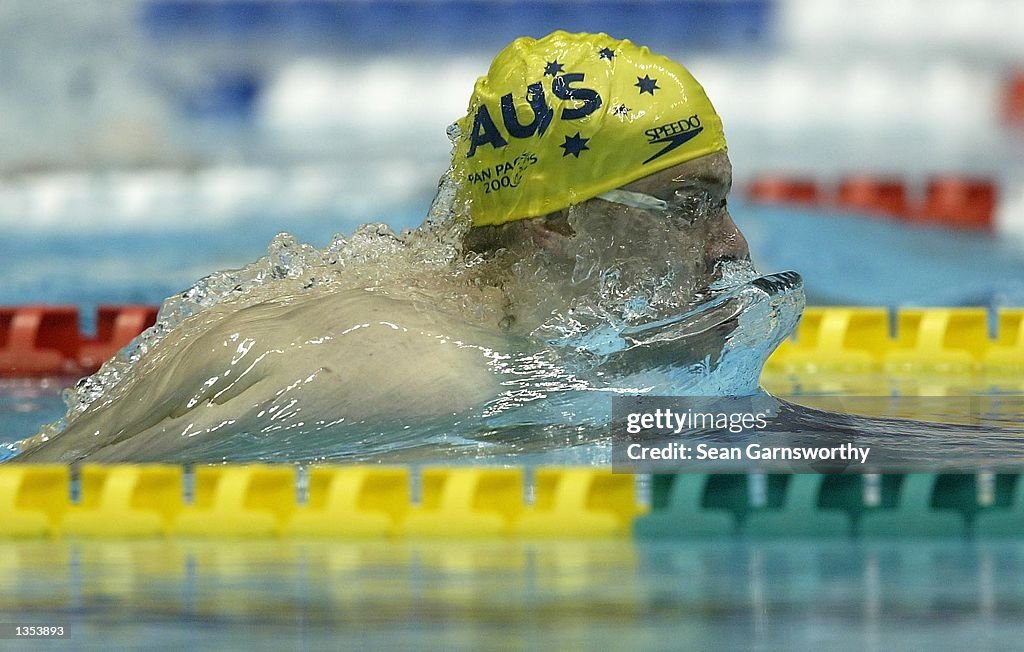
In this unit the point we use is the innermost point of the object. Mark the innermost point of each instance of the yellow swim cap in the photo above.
(560, 120)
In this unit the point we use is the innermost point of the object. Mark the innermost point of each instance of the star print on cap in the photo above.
(553, 68)
(647, 85)
(574, 145)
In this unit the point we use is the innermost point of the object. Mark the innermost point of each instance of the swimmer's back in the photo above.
(352, 355)
(406, 353)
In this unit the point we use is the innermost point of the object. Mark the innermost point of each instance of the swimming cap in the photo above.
(562, 119)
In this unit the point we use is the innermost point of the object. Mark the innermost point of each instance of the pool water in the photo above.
(833, 594)
(939, 398)
(906, 266)
(272, 595)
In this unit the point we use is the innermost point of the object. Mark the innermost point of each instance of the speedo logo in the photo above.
(486, 132)
(674, 134)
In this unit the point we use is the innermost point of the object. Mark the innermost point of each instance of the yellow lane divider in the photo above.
(343, 501)
(947, 340)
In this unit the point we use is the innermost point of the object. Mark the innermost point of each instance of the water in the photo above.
(630, 325)
(561, 388)
(271, 595)
(554, 394)
(381, 342)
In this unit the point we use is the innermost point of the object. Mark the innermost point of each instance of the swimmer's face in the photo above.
(696, 193)
(690, 235)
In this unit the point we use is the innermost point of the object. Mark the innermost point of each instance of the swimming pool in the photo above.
(273, 593)
(801, 84)
(609, 593)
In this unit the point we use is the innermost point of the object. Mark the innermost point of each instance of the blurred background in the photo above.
(878, 144)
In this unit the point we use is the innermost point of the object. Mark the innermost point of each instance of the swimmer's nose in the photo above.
(725, 242)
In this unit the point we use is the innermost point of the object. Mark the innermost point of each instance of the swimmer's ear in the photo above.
(546, 231)
(559, 223)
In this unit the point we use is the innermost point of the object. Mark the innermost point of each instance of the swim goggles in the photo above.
(687, 204)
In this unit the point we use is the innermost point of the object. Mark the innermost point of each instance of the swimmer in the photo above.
(587, 196)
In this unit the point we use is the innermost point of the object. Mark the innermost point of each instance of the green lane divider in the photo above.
(800, 513)
(678, 510)
(886, 506)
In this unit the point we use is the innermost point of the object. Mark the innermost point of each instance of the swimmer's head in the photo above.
(570, 117)
(672, 226)
(595, 175)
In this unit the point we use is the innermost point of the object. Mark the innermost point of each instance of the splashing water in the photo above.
(373, 256)
(634, 325)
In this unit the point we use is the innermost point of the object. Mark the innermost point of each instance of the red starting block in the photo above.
(960, 202)
(46, 340)
(773, 189)
(38, 341)
(116, 326)
(884, 196)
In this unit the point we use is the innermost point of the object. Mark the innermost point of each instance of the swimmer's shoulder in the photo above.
(403, 350)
